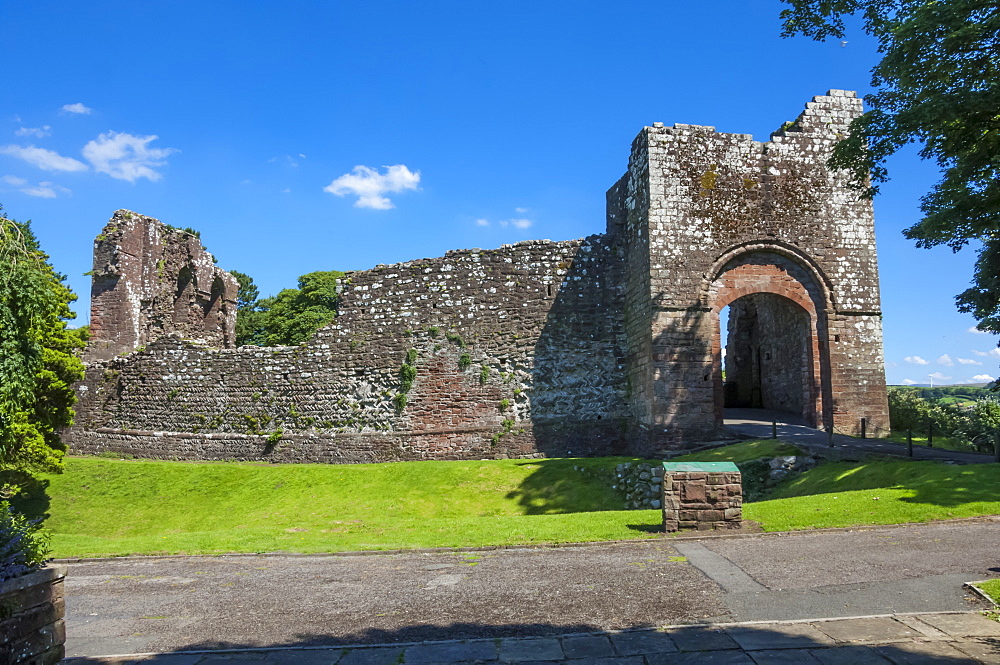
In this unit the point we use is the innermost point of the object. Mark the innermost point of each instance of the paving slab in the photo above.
(983, 649)
(923, 653)
(518, 650)
(643, 642)
(372, 656)
(701, 638)
(963, 625)
(849, 655)
(783, 657)
(736, 657)
(778, 636)
(426, 654)
(867, 630)
(588, 646)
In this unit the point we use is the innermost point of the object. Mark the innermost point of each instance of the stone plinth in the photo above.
(32, 630)
(702, 496)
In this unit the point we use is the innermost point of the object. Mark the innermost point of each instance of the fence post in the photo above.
(909, 442)
(930, 433)
(864, 423)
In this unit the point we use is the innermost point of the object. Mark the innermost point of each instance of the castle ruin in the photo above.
(602, 345)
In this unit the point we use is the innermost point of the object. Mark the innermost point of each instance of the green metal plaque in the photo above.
(700, 467)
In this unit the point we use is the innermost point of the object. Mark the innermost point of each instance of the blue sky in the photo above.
(271, 127)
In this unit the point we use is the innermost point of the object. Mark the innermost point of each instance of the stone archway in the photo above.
(778, 315)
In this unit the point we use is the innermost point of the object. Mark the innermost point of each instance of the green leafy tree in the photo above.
(938, 85)
(248, 316)
(292, 316)
(38, 361)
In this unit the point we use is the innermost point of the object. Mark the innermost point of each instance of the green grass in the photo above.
(742, 452)
(992, 589)
(943, 442)
(879, 492)
(113, 507)
(102, 507)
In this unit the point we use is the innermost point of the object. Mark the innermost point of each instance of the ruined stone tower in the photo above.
(150, 279)
(603, 345)
(710, 220)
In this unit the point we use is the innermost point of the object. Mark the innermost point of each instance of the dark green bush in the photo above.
(24, 545)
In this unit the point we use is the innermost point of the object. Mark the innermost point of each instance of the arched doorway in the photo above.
(767, 360)
(775, 313)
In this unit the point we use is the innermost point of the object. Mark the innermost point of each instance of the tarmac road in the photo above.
(166, 604)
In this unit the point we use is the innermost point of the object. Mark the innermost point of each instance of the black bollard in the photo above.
(909, 442)
(864, 423)
(774, 429)
(930, 433)
(829, 436)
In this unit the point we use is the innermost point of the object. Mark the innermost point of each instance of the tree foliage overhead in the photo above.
(292, 316)
(38, 363)
(938, 85)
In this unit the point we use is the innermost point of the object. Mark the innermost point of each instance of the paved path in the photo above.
(252, 602)
(758, 423)
(901, 639)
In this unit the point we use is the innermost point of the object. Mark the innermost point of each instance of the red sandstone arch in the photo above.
(775, 270)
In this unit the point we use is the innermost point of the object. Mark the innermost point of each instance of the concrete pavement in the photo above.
(899, 639)
(250, 602)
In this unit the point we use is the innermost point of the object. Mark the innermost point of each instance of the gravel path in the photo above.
(141, 605)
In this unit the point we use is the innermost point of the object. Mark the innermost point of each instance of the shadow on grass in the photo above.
(33, 499)
(516, 642)
(933, 483)
(569, 485)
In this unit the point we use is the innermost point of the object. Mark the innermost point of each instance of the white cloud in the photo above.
(76, 108)
(40, 132)
(938, 376)
(908, 382)
(945, 360)
(975, 330)
(983, 378)
(482, 222)
(47, 160)
(45, 190)
(967, 361)
(126, 157)
(370, 186)
(916, 360)
(520, 211)
(521, 223)
(995, 353)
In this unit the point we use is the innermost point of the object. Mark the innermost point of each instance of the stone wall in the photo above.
(516, 351)
(592, 346)
(150, 279)
(702, 500)
(693, 201)
(32, 628)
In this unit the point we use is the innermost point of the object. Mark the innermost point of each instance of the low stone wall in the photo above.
(32, 630)
(702, 499)
(641, 483)
(558, 439)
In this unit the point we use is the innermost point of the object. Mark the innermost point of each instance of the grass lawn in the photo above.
(992, 589)
(102, 507)
(879, 492)
(117, 507)
(742, 452)
(940, 441)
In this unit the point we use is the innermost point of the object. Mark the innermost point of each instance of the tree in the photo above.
(292, 316)
(38, 363)
(938, 84)
(248, 330)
